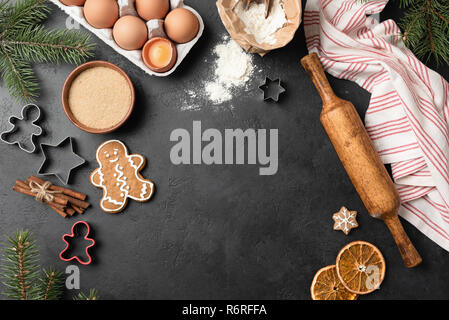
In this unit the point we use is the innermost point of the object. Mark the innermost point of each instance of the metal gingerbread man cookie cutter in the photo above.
(26, 141)
(72, 236)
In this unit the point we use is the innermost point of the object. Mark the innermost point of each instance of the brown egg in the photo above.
(181, 25)
(72, 2)
(101, 14)
(159, 54)
(130, 33)
(152, 9)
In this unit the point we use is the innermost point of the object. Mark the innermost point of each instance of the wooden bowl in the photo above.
(68, 84)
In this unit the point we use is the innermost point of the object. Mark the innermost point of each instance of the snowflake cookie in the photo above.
(345, 220)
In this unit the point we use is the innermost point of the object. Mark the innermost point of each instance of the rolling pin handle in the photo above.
(356, 151)
(314, 68)
(408, 251)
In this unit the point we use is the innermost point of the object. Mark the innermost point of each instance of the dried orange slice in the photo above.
(327, 286)
(360, 267)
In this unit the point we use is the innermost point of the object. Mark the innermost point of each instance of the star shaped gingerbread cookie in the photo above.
(345, 220)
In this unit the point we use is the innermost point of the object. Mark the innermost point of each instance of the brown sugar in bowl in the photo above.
(66, 93)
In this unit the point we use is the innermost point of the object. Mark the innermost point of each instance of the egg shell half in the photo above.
(146, 55)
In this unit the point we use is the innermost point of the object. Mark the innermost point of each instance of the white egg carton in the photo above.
(155, 29)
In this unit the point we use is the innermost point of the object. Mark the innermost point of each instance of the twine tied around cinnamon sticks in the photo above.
(64, 201)
(42, 191)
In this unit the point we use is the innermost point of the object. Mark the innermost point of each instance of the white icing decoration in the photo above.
(124, 187)
(346, 221)
(144, 190)
(109, 199)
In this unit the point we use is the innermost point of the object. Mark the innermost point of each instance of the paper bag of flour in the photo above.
(229, 10)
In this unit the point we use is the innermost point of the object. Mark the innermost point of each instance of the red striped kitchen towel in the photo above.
(408, 114)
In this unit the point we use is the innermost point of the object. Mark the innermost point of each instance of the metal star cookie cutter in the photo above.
(272, 89)
(73, 235)
(26, 141)
(62, 169)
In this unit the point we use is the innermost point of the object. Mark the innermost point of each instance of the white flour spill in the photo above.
(232, 69)
(217, 92)
(255, 23)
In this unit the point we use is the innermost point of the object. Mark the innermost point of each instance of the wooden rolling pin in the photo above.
(360, 160)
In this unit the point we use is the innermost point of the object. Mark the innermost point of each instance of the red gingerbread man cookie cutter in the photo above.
(72, 235)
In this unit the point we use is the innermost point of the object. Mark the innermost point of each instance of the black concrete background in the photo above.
(213, 232)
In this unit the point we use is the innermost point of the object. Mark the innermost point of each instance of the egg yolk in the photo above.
(160, 53)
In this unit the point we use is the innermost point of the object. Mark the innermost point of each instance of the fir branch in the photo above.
(93, 295)
(18, 76)
(427, 29)
(22, 14)
(50, 285)
(425, 26)
(37, 44)
(23, 41)
(412, 23)
(20, 266)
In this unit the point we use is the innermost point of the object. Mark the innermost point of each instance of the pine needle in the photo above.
(20, 266)
(36, 44)
(22, 14)
(18, 76)
(425, 27)
(93, 295)
(24, 41)
(21, 276)
(50, 285)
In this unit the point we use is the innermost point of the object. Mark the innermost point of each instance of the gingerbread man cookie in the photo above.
(119, 177)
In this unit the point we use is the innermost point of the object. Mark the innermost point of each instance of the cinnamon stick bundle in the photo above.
(62, 200)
